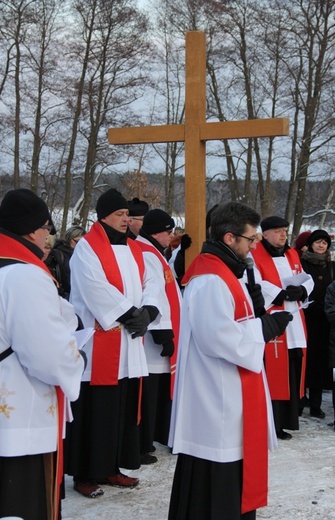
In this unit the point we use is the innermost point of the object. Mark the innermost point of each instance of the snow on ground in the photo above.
(301, 481)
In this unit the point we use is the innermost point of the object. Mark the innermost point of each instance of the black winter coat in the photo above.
(330, 313)
(318, 373)
(58, 263)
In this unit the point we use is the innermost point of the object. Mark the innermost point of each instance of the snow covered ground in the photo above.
(301, 484)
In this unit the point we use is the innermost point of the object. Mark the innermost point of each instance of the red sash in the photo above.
(107, 343)
(276, 351)
(173, 298)
(12, 249)
(255, 428)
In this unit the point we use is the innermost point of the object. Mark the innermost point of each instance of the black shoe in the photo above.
(304, 401)
(317, 412)
(152, 449)
(146, 458)
(285, 436)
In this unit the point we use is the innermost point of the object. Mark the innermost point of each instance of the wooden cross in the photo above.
(194, 133)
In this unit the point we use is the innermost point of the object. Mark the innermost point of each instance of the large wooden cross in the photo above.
(194, 133)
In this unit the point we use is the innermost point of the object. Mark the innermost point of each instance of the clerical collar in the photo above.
(153, 241)
(275, 251)
(29, 245)
(115, 237)
(226, 254)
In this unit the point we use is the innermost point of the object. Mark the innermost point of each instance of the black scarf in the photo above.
(115, 237)
(275, 251)
(226, 254)
(152, 241)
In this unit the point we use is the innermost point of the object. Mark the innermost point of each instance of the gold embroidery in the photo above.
(5, 409)
(97, 326)
(168, 276)
(51, 410)
(74, 350)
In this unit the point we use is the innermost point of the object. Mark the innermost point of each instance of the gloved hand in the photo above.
(185, 242)
(168, 349)
(275, 324)
(138, 323)
(257, 297)
(295, 293)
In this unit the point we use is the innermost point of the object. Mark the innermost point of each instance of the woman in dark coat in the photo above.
(317, 262)
(58, 260)
(330, 313)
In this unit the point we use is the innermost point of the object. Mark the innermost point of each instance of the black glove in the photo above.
(295, 293)
(275, 324)
(137, 325)
(168, 349)
(185, 242)
(257, 297)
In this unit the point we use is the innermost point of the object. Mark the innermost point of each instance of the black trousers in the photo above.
(207, 490)
(22, 487)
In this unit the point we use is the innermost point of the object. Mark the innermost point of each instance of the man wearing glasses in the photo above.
(221, 423)
(278, 266)
(137, 209)
(161, 341)
(39, 362)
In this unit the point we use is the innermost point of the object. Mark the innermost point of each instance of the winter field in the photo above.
(301, 483)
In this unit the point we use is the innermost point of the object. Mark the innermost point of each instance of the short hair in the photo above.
(232, 218)
(50, 241)
(74, 232)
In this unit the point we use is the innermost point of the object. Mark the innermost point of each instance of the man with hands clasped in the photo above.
(113, 292)
(285, 286)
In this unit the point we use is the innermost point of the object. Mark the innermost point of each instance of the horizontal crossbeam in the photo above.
(207, 131)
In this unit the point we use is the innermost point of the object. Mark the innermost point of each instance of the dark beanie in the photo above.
(274, 222)
(137, 207)
(318, 234)
(110, 201)
(157, 220)
(23, 212)
(301, 239)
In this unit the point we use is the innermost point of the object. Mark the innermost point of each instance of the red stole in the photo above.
(107, 343)
(276, 351)
(255, 427)
(12, 249)
(173, 297)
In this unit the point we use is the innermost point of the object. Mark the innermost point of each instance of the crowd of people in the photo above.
(110, 344)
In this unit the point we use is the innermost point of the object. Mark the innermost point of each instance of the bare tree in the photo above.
(112, 80)
(311, 66)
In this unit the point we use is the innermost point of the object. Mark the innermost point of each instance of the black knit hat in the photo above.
(317, 235)
(110, 201)
(23, 212)
(274, 222)
(157, 220)
(137, 207)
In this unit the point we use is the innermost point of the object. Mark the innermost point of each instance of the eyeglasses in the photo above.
(49, 227)
(251, 239)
